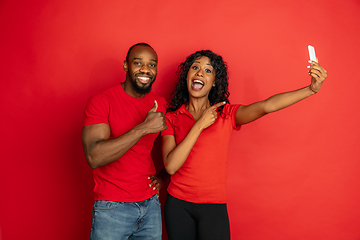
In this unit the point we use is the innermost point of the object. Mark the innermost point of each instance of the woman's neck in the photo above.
(198, 104)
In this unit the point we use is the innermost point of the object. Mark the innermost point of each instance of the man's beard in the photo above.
(142, 90)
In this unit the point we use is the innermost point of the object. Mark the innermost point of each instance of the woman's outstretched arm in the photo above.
(249, 113)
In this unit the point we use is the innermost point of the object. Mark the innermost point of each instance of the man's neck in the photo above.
(129, 89)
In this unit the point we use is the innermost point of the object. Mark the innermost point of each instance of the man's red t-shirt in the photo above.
(202, 178)
(125, 180)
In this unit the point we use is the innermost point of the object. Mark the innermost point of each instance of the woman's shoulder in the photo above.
(230, 109)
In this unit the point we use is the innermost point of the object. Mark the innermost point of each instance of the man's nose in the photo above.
(145, 68)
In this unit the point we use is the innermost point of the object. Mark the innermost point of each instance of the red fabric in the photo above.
(202, 178)
(125, 180)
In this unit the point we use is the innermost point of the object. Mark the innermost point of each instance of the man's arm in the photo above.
(249, 113)
(101, 150)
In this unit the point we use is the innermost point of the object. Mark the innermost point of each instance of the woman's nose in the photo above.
(199, 73)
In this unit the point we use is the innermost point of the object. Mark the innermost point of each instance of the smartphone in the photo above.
(312, 53)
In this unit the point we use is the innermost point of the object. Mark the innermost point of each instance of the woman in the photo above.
(200, 120)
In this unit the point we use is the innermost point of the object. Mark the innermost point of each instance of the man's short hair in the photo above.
(135, 45)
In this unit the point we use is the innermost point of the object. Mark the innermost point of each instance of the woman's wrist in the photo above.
(312, 90)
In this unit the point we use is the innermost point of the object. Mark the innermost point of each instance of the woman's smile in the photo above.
(201, 77)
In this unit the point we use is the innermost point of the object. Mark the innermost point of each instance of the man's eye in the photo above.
(151, 65)
(137, 63)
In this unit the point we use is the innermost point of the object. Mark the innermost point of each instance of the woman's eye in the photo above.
(208, 70)
(195, 68)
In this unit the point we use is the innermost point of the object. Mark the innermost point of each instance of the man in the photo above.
(120, 127)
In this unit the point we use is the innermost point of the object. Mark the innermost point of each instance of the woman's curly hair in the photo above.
(218, 93)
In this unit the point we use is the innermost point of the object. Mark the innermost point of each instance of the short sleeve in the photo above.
(96, 111)
(229, 110)
(170, 129)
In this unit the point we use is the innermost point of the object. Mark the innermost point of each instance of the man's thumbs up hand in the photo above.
(155, 121)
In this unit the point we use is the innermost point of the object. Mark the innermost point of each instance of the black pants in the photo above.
(196, 221)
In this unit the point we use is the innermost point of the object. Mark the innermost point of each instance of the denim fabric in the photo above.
(127, 220)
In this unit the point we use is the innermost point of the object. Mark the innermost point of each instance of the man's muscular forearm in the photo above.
(100, 150)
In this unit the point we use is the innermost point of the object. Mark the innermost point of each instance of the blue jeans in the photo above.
(127, 220)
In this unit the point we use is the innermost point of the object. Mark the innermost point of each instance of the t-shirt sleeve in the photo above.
(170, 129)
(230, 110)
(96, 111)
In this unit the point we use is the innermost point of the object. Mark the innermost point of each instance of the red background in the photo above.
(294, 174)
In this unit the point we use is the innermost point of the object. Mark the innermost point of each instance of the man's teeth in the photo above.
(144, 80)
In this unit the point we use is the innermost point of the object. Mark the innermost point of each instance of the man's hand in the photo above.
(156, 183)
(155, 121)
(318, 75)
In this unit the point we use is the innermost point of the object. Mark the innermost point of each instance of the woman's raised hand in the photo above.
(209, 115)
(318, 75)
